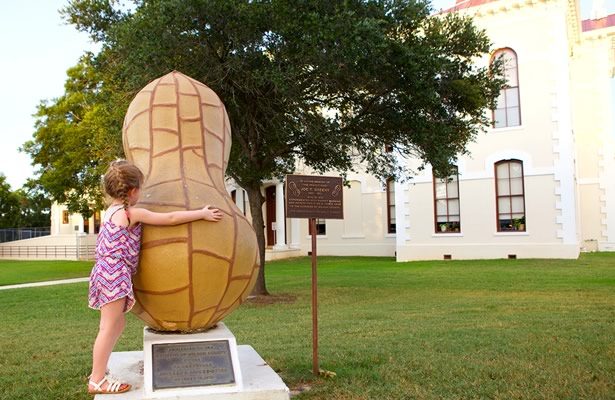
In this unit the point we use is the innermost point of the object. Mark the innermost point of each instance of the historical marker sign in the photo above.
(314, 197)
(188, 364)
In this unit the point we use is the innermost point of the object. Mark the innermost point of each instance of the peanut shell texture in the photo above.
(190, 276)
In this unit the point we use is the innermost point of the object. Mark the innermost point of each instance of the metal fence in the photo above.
(83, 252)
(12, 234)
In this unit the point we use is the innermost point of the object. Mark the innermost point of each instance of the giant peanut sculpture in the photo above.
(190, 276)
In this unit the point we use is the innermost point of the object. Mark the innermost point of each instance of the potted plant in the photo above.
(519, 224)
(443, 227)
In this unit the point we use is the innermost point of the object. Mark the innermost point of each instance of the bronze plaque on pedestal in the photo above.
(188, 364)
(312, 196)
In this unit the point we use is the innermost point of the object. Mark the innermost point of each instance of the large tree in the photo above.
(76, 137)
(25, 207)
(311, 80)
(9, 205)
(34, 205)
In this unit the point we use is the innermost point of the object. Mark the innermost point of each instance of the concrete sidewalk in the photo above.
(47, 283)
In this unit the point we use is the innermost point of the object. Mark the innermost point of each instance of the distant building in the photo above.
(63, 222)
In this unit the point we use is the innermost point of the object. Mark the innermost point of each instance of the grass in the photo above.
(15, 272)
(504, 329)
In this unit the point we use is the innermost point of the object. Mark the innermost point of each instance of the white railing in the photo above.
(12, 234)
(60, 252)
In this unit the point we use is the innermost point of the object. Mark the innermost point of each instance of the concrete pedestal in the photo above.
(181, 364)
(257, 380)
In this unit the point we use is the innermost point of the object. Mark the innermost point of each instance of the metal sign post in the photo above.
(315, 367)
(314, 197)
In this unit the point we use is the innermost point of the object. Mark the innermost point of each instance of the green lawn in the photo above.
(14, 272)
(506, 329)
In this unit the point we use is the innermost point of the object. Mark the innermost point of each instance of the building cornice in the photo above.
(598, 33)
(480, 8)
(487, 8)
(605, 22)
(599, 29)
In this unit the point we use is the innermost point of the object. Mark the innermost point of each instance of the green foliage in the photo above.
(388, 72)
(25, 207)
(9, 205)
(76, 137)
(34, 204)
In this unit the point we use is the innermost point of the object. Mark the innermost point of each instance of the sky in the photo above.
(36, 49)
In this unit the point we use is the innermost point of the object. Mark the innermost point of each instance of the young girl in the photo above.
(117, 256)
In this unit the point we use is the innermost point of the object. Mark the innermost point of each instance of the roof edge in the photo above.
(601, 23)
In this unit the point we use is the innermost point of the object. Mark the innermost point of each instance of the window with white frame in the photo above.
(510, 196)
(446, 204)
(508, 109)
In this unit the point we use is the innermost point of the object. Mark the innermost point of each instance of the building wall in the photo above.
(62, 224)
(543, 141)
(479, 237)
(363, 231)
(592, 77)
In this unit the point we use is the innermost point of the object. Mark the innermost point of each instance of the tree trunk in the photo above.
(256, 209)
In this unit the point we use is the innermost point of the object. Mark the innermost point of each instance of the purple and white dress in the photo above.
(117, 258)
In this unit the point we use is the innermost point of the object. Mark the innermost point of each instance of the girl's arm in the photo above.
(174, 217)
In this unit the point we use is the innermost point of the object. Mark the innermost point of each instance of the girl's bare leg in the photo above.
(111, 326)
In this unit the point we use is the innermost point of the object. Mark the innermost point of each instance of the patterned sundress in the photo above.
(117, 258)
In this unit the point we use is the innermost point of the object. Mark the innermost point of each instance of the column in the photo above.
(239, 200)
(280, 218)
(56, 219)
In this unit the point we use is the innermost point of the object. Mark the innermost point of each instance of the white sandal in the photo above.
(106, 373)
(113, 386)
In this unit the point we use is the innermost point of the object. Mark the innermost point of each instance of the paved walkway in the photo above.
(47, 283)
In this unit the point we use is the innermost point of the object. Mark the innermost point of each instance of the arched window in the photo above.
(510, 195)
(508, 108)
(446, 204)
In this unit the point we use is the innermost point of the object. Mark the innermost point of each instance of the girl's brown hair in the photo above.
(120, 178)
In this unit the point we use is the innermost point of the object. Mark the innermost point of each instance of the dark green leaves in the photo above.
(314, 80)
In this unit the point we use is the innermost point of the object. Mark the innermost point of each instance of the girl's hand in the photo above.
(211, 214)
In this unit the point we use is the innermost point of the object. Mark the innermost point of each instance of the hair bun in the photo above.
(117, 163)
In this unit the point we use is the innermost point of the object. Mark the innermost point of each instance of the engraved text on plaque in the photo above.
(188, 364)
(314, 196)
